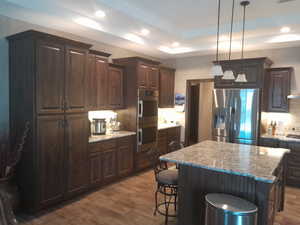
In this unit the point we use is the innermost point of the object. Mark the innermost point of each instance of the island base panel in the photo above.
(195, 183)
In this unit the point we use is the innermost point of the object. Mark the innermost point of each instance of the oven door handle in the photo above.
(140, 138)
(141, 109)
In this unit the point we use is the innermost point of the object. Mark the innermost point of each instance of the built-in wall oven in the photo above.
(147, 119)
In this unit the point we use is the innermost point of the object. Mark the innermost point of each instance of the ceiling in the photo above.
(190, 23)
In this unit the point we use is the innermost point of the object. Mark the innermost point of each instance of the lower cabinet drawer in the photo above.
(293, 160)
(293, 173)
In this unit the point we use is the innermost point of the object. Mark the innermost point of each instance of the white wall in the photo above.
(10, 26)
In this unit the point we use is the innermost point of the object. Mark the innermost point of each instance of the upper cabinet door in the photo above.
(101, 71)
(143, 76)
(77, 152)
(166, 88)
(92, 84)
(153, 78)
(115, 88)
(50, 77)
(278, 88)
(76, 69)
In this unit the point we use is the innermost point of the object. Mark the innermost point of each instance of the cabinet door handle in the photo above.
(140, 139)
(141, 109)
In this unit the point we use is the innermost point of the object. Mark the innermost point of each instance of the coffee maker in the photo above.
(98, 127)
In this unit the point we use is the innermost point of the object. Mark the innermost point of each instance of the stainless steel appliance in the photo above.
(236, 115)
(147, 119)
(98, 126)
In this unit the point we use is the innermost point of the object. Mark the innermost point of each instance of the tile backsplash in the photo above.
(286, 122)
(169, 115)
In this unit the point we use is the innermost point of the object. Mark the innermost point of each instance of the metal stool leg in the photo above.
(156, 203)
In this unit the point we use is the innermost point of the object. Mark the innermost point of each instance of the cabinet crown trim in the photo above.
(38, 34)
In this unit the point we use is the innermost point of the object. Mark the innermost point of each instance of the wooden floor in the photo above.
(130, 202)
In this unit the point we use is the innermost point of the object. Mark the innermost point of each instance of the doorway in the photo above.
(199, 99)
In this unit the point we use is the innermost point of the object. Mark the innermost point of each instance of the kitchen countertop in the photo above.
(117, 134)
(167, 125)
(245, 160)
(280, 137)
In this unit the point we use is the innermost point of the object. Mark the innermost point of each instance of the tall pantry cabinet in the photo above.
(47, 88)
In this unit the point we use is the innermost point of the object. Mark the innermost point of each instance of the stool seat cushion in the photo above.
(168, 177)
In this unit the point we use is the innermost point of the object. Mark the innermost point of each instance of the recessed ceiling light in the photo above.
(285, 30)
(134, 38)
(100, 14)
(87, 22)
(175, 44)
(285, 38)
(175, 50)
(145, 32)
(224, 38)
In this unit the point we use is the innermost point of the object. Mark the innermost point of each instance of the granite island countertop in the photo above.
(257, 162)
(108, 136)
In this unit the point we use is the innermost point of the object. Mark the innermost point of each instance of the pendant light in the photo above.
(217, 70)
(242, 76)
(229, 75)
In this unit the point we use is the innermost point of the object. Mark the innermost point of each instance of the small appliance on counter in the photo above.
(98, 127)
(114, 124)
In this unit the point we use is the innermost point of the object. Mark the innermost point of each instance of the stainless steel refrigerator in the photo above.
(236, 115)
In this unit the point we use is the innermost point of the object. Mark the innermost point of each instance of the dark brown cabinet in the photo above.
(115, 87)
(153, 78)
(110, 160)
(51, 163)
(293, 162)
(77, 152)
(254, 69)
(141, 72)
(277, 88)
(166, 136)
(75, 79)
(292, 174)
(96, 165)
(97, 79)
(109, 165)
(60, 77)
(125, 156)
(104, 83)
(47, 82)
(148, 76)
(63, 163)
(143, 76)
(50, 77)
(166, 87)
(269, 142)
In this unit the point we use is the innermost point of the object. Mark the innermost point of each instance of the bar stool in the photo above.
(222, 209)
(167, 186)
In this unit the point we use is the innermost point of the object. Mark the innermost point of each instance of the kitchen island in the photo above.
(254, 173)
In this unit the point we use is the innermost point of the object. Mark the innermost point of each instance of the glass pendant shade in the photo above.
(217, 70)
(241, 77)
(228, 75)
